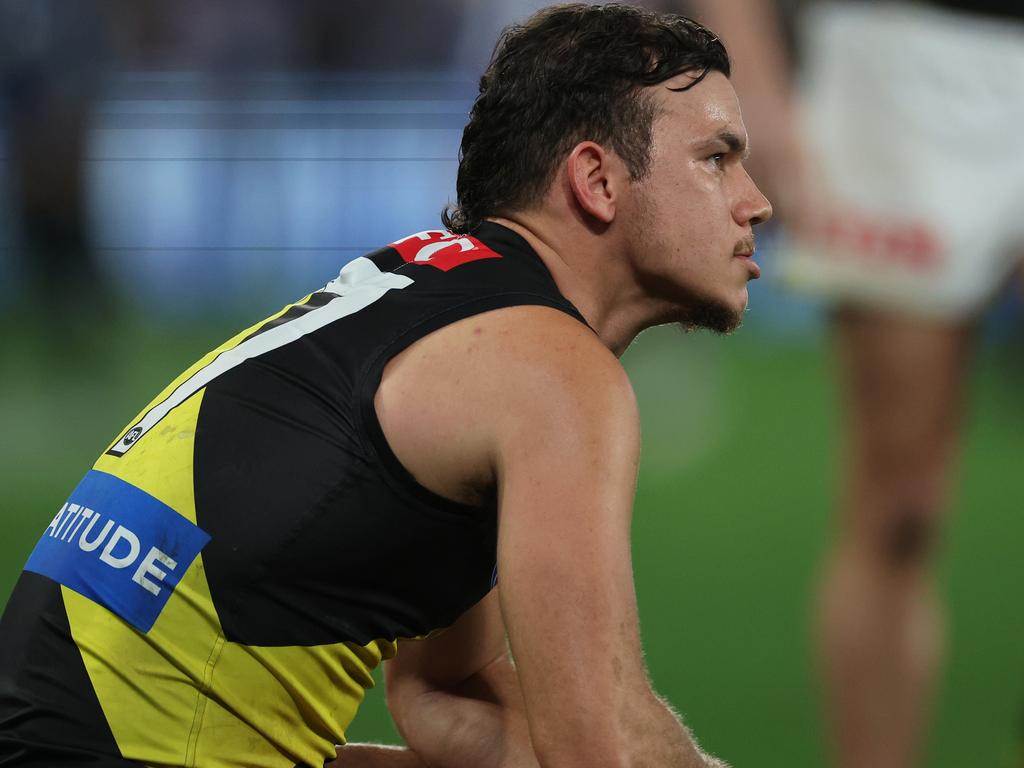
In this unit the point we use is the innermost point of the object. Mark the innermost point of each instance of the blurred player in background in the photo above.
(49, 71)
(364, 467)
(901, 192)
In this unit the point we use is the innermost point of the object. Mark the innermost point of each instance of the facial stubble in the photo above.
(691, 309)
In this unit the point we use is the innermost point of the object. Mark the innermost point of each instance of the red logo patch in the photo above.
(441, 249)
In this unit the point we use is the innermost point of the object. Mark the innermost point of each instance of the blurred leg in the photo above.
(903, 386)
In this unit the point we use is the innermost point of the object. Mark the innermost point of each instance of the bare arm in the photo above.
(567, 479)
(546, 413)
(455, 700)
(375, 756)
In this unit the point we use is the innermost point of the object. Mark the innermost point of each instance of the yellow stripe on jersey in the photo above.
(182, 694)
(204, 361)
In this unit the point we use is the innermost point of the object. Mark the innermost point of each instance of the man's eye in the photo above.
(717, 160)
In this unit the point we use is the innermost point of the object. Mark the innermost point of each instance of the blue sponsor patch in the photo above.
(118, 546)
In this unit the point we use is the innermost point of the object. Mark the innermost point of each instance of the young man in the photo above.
(909, 230)
(441, 437)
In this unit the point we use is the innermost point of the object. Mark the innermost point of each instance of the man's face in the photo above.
(695, 209)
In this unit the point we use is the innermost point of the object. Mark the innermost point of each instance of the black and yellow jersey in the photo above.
(218, 588)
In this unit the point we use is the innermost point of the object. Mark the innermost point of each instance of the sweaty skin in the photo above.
(530, 405)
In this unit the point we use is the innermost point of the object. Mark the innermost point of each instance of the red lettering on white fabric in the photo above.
(907, 243)
(441, 249)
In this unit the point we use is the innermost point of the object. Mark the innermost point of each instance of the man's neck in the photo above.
(598, 281)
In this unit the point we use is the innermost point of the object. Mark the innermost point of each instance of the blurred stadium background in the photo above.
(172, 171)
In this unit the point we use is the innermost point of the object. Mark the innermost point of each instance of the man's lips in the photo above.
(747, 254)
(744, 251)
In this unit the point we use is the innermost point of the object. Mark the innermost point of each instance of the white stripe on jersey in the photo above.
(359, 284)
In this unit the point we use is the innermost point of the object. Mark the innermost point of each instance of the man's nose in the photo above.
(754, 207)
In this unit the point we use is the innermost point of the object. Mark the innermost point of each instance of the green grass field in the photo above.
(733, 510)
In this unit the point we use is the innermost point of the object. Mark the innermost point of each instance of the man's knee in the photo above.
(908, 535)
(894, 537)
(898, 519)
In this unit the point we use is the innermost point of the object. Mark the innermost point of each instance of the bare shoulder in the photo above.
(452, 402)
(495, 342)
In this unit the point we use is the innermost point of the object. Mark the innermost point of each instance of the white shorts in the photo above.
(915, 117)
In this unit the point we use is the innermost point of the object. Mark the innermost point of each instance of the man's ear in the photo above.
(594, 177)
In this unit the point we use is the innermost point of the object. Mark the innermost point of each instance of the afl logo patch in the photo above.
(442, 250)
(132, 436)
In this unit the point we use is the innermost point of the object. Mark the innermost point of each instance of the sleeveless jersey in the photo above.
(218, 588)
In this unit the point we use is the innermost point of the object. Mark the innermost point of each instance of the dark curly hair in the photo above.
(570, 73)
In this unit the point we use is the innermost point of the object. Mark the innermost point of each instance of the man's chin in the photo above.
(714, 316)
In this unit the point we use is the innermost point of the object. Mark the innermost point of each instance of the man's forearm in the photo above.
(661, 739)
(671, 748)
(455, 731)
(479, 722)
(646, 732)
(483, 721)
(375, 756)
